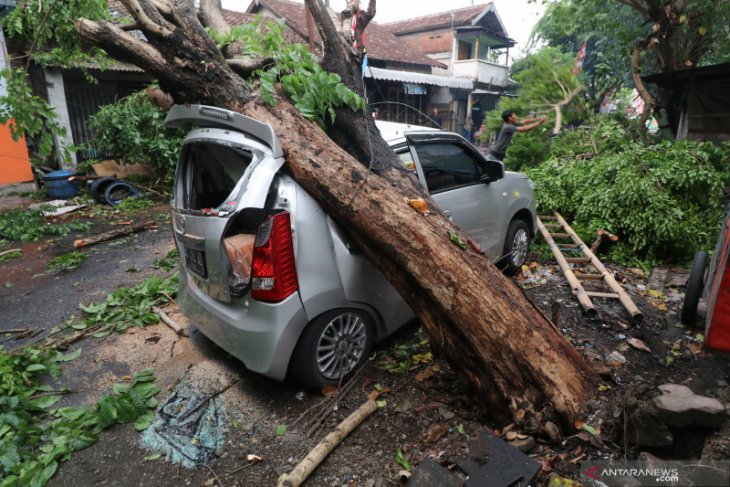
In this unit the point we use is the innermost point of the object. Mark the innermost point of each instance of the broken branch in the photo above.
(326, 446)
(170, 322)
(112, 234)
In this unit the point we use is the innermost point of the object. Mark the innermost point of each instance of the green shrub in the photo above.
(132, 131)
(664, 200)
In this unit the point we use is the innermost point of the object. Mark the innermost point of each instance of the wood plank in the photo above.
(587, 277)
(578, 260)
(594, 294)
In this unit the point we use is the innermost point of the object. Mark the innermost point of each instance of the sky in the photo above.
(518, 16)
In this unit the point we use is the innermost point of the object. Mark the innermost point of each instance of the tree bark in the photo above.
(483, 324)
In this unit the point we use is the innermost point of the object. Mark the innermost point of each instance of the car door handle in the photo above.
(448, 214)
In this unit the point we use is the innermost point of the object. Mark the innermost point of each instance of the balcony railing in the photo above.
(480, 71)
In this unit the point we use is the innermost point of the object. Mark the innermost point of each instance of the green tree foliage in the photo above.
(545, 79)
(47, 29)
(314, 92)
(672, 34)
(664, 200)
(48, 37)
(35, 438)
(27, 113)
(609, 28)
(132, 129)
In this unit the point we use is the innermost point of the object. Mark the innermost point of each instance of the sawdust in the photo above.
(156, 346)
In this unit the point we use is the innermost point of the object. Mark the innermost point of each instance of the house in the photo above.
(15, 169)
(702, 109)
(473, 44)
(401, 81)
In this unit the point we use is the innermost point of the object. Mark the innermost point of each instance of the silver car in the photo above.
(268, 276)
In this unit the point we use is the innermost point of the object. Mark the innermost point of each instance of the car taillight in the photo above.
(273, 273)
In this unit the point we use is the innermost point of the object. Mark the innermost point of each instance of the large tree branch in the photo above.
(177, 62)
(120, 44)
(334, 45)
(245, 68)
(649, 101)
(211, 15)
(156, 26)
(355, 132)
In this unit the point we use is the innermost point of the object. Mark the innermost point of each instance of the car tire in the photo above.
(118, 191)
(329, 340)
(98, 187)
(693, 290)
(516, 246)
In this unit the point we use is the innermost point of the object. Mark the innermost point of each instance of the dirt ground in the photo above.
(428, 414)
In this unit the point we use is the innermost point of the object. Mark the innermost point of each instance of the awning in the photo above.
(419, 78)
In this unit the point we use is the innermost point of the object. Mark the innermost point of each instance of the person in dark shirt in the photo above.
(436, 120)
(512, 125)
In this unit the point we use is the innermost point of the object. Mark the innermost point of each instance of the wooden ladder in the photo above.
(559, 229)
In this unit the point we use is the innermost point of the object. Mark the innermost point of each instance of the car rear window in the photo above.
(210, 172)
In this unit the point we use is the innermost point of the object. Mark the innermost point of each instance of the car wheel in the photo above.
(516, 246)
(694, 288)
(332, 346)
(98, 187)
(118, 191)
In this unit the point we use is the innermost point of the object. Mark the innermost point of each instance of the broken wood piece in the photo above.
(16, 331)
(8, 252)
(604, 239)
(170, 322)
(112, 234)
(300, 473)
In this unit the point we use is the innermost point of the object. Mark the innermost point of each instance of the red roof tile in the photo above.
(441, 19)
(380, 42)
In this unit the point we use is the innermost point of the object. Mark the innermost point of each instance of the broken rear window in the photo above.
(210, 173)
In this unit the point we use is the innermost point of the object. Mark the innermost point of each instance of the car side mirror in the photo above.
(493, 171)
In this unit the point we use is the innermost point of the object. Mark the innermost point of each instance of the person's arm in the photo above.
(530, 126)
(530, 120)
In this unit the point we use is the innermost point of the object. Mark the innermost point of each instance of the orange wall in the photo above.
(14, 161)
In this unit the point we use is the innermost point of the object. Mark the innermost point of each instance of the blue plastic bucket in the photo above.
(58, 186)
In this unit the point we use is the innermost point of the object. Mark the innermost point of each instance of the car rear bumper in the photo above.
(261, 335)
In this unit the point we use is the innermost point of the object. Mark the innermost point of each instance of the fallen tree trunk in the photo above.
(503, 346)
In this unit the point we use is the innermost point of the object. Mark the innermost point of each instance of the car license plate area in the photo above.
(195, 262)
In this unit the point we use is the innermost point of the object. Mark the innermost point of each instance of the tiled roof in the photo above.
(117, 9)
(442, 19)
(380, 42)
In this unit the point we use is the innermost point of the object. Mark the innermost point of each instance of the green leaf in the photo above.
(47, 473)
(143, 422)
(281, 430)
(70, 356)
(120, 388)
(152, 458)
(35, 368)
(401, 459)
(458, 241)
(381, 403)
(590, 429)
(9, 456)
(460, 429)
(378, 387)
(45, 402)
